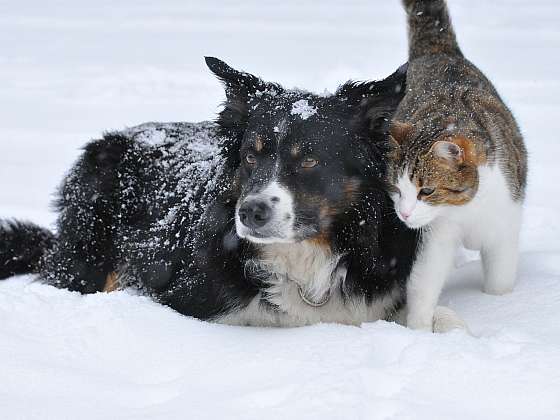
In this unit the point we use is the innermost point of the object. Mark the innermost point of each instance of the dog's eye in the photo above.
(425, 192)
(309, 163)
(251, 159)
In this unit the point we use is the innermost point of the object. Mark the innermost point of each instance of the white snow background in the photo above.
(73, 69)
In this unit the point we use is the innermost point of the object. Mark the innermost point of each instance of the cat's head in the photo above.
(430, 175)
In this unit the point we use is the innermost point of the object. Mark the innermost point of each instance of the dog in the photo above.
(277, 214)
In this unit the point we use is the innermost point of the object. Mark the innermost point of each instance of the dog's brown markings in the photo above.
(111, 282)
(327, 210)
(322, 240)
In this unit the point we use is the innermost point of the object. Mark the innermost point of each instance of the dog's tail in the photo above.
(21, 247)
(429, 29)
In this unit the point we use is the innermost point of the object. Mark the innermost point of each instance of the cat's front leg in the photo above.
(434, 262)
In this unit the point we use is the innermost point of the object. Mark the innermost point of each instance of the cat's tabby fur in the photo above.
(459, 165)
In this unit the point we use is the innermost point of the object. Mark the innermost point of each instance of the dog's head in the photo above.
(302, 159)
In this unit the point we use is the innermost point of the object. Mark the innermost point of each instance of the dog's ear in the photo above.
(374, 103)
(242, 90)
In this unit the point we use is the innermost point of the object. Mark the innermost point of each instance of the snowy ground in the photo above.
(73, 69)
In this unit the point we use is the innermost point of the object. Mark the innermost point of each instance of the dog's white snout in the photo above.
(267, 216)
(255, 213)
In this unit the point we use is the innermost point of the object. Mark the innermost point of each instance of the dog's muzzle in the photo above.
(255, 213)
(266, 216)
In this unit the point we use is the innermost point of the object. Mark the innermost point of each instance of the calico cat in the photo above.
(458, 166)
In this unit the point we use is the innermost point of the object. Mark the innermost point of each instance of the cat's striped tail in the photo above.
(429, 29)
(21, 247)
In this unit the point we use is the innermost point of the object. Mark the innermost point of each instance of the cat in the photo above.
(458, 165)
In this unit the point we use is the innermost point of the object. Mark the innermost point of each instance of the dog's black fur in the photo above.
(164, 214)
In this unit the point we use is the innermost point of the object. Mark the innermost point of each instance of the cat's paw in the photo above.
(419, 322)
(446, 319)
(497, 289)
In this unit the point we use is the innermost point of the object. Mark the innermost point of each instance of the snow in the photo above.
(303, 109)
(75, 69)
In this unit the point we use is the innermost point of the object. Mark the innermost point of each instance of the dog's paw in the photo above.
(446, 319)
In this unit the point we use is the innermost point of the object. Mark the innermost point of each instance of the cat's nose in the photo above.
(405, 215)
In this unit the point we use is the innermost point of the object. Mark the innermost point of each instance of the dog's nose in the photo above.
(255, 214)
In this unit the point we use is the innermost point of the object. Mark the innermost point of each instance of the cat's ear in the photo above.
(240, 88)
(457, 150)
(448, 151)
(400, 132)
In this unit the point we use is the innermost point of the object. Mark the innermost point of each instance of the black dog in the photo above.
(276, 215)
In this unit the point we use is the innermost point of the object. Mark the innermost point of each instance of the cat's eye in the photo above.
(309, 163)
(251, 159)
(425, 192)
